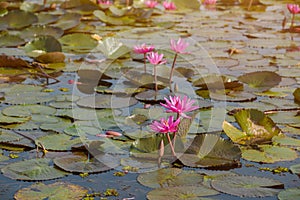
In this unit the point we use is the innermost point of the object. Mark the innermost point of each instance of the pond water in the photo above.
(70, 83)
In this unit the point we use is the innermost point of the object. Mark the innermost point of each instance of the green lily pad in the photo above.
(58, 142)
(269, 154)
(256, 127)
(32, 170)
(31, 7)
(41, 45)
(27, 98)
(295, 169)
(211, 151)
(47, 18)
(289, 194)
(81, 164)
(17, 19)
(28, 110)
(57, 190)
(193, 4)
(68, 21)
(112, 48)
(296, 94)
(41, 30)
(78, 42)
(262, 80)
(8, 40)
(246, 186)
(56, 127)
(181, 192)
(7, 136)
(215, 82)
(106, 101)
(125, 20)
(12, 120)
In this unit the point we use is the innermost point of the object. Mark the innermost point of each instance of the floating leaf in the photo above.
(57, 127)
(283, 140)
(262, 80)
(289, 194)
(295, 169)
(112, 48)
(12, 120)
(28, 110)
(296, 94)
(192, 4)
(78, 42)
(106, 101)
(41, 45)
(68, 21)
(269, 154)
(211, 151)
(27, 98)
(58, 190)
(81, 163)
(113, 20)
(17, 19)
(256, 127)
(58, 142)
(8, 40)
(246, 186)
(181, 192)
(32, 170)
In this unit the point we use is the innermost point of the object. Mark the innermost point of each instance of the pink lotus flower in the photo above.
(142, 49)
(179, 46)
(210, 2)
(293, 8)
(180, 106)
(155, 58)
(169, 5)
(165, 126)
(151, 3)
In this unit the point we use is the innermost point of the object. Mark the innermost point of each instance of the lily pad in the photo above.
(32, 170)
(295, 169)
(81, 163)
(112, 48)
(28, 110)
(262, 80)
(269, 154)
(106, 101)
(78, 42)
(256, 127)
(181, 192)
(246, 186)
(211, 151)
(41, 45)
(12, 120)
(41, 30)
(51, 57)
(289, 194)
(58, 190)
(296, 94)
(17, 19)
(8, 40)
(125, 20)
(58, 142)
(68, 21)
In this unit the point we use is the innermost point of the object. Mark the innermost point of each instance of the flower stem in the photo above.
(175, 134)
(171, 145)
(250, 4)
(155, 78)
(292, 22)
(145, 62)
(172, 71)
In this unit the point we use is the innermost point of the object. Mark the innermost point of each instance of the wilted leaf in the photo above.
(256, 127)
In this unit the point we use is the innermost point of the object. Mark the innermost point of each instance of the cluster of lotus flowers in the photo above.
(294, 9)
(155, 58)
(170, 125)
